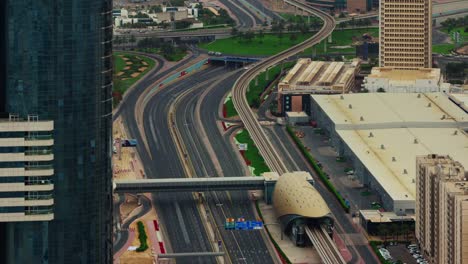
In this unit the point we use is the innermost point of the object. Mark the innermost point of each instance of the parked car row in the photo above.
(215, 53)
(414, 250)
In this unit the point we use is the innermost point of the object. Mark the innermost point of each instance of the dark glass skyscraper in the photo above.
(58, 58)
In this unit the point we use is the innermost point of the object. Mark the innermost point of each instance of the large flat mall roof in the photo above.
(394, 129)
(393, 109)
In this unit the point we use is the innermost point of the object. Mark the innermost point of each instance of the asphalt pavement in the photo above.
(243, 246)
(244, 18)
(178, 212)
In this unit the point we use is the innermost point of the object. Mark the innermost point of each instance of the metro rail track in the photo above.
(319, 237)
(323, 243)
(240, 88)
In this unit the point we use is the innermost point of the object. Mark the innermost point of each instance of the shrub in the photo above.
(375, 246)
(322, 175)
(142, 237)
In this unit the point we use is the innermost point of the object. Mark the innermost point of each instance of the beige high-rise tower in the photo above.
(405, 34)
(442, 209)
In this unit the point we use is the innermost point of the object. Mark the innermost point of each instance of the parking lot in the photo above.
(359, 196)
(400, 252)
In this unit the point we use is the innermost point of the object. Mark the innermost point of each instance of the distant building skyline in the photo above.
(405, 34)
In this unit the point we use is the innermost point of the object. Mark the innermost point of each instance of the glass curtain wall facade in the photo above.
(59, 67)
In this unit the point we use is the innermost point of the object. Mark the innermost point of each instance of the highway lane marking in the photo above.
(153, 133)
(182, 223)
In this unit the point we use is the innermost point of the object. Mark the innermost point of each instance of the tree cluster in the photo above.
(365, 22)
(452, 23)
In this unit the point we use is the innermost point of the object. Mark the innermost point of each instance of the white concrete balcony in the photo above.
(25, 217)
(39, 170)
(39, 202)
(31, 170)
(45, 155)
(35, 141)
(25, 126)
(13, 202)
(22, 187)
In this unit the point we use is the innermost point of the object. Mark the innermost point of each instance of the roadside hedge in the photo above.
(283, 256)
(375, 246)
(142, 237)
(317, 169)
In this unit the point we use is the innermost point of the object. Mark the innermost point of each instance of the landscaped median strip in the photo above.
(317, 169)
(142, 237)
(128, 68)
(250, 152)
(228, 108)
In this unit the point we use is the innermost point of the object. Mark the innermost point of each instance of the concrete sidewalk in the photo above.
(294, 254)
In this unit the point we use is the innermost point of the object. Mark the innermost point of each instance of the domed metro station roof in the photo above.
(294, 197)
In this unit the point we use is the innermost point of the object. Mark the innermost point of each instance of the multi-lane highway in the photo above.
(196, 118)
(179, 214)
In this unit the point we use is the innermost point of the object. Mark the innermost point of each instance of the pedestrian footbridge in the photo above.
(265, 183)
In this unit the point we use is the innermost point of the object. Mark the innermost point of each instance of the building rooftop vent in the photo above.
(382, 146)
(361, 118)
(393, 159)
(405, 171)
(419, 95)
(341, 97)
(415, 141)
(350, 106)
(429, 105)
(370, 134)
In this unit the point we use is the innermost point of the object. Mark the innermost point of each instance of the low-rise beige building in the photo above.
(405, 81)
(442, 209)
(319, 77)
(315, 77)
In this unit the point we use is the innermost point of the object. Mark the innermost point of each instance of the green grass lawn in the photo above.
(230, 109)
(443, 48)
(297, 18)
(268, 45)
(123, 78)
(254, 92)
(343, 38)
(252, 154)
(459, 29)
(271, 44)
